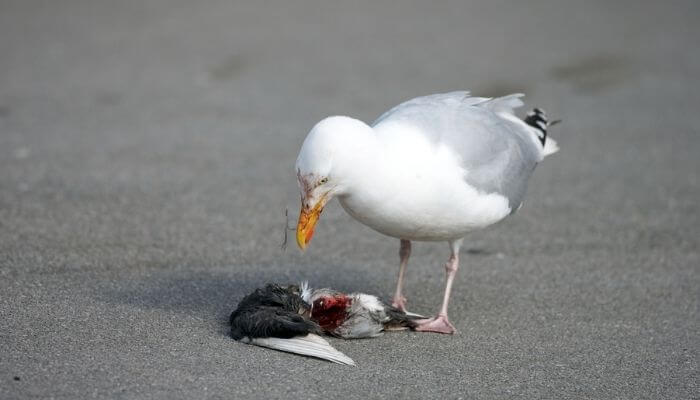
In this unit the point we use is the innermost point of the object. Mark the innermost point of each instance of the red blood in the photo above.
(330, 312)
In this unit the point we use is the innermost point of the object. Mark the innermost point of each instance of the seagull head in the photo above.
(326, 167)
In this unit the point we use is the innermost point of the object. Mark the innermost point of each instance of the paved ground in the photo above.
(146, 152)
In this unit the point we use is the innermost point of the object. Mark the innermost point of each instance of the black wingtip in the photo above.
(537, 119)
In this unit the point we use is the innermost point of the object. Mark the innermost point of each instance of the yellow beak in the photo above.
(307, 222)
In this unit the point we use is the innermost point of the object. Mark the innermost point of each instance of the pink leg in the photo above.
(440, 323)
(404, 252)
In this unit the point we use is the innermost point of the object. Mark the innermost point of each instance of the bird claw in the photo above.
(439, 324)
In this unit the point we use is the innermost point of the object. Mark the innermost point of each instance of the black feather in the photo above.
(538, 120)
(272, 311)
(399, 318)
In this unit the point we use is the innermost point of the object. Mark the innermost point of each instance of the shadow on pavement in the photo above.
(208, 294)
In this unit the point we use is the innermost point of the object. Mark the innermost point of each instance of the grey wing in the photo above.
(362, 322)
(498, 154)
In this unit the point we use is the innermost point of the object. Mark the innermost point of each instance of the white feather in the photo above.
(417, 190)
(310, 345)
(505, 103)
(305, 291)
(369, 302)
(550, 147)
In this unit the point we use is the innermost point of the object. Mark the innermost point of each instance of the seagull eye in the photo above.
(322, 181)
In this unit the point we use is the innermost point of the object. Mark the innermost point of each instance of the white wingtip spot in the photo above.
(550, 147)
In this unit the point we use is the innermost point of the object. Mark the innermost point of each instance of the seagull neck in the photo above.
(365, 165)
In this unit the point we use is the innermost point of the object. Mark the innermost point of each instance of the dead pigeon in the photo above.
(277, 317)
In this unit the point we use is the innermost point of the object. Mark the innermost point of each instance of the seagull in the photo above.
(433, 168)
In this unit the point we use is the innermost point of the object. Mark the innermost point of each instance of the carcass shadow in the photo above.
(215, 292)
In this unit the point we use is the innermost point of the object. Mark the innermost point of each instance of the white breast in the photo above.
(416, 191)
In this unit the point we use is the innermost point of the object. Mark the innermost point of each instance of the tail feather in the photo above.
(399, 320)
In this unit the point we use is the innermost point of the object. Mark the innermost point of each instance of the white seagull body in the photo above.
(432, 168)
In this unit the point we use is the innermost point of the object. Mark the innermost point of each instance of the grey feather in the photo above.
(369, 317)
(497, 153)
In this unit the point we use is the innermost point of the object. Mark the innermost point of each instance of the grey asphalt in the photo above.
(146, 162)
